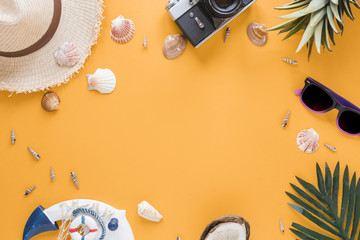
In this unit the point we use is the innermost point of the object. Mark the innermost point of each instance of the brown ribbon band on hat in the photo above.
(44, 39)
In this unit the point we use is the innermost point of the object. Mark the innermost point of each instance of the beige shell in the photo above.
(286, 119)
(37, 156)
(74, 179)
(52, 174)
(257, 33)
(28, 191)
(227, 33)
(148, 212)
(229, 227)
(103, 80)
(50, 101)
(174, 46)
(12, 137)
(67, 55)
(308, 140)
(122, 30)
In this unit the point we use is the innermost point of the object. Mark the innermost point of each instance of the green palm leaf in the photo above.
(321, 206)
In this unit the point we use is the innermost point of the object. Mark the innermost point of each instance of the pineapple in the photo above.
(317, 19)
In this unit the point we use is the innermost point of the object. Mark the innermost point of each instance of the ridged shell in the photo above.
(28, 191)
(122, 30)
(281, 226)
(50, 101)
(227, 33)
(257, 33)
(148, 212)
(308, 140)
(74, 179)
(144, 42)
(289, 61)
(332, 148)
(52, 174)
(174, 46)
(103, 80)
(286, 119)
(67, 55)
(12, 137)
(37, 156)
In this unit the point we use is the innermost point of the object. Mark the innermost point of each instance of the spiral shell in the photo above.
(50, 102)
(289, 61)
(144, 42)
(74, 179)
(227, 33)
(37, 156)
(148, 212)
(103, 80)
(308, 141)
(257, 34)
(282, 229)
(67, 55)
(28, 191)
(330, 147)
(286, 119)
(12, 137)
(122, 30)
(174, 46)
(52, 174)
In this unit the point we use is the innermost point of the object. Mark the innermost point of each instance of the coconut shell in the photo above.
(225, 219)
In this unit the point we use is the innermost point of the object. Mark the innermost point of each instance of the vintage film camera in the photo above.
(200, 19)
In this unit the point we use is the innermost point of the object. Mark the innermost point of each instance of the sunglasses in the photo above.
(319, 99)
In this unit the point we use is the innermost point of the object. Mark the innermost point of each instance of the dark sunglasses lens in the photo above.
(349, 121)
(316, 98)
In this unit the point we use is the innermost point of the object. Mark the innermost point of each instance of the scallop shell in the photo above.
(74, 179)
(50, 101)
(148, 212)
(67, 55)
(12, 137)
(103, 80)
(174, 46)
(37, 156)
(28, 191)
(122, 30)
(257, 33)
(308, 140)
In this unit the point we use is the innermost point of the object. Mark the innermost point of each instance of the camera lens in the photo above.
(224, 3)
(223, 8)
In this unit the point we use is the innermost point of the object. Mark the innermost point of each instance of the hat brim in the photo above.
(80, 23)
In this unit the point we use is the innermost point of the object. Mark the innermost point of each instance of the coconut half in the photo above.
(229, 227)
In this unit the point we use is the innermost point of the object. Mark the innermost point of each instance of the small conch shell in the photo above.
(330, 147)
(148, 212)
(144, 42)
(13, 138)
(28, 191)
(257, 33)
(281, 226)
(174, 46)
(286, 119)
(289, 61)
(74, 179)
(103, 80)
(50, 101)
(122, 30)
(67, 55)
(52, 174)
(227, 33)
(37, 156)
(308, 140)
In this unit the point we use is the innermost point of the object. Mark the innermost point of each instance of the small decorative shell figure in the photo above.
(74, 179)
(281, 226)
(174, 46)
(308, 140)
(289, 61)
(331, 147)
(144, 42)
(257, 34)
(148, 212)
(286, 119)
(50, 102)
(122, 30)
(52, 174)
(68, 55)
(13, 138)
(28, 191)
(37, 156)
(103, 80)
(227, 33)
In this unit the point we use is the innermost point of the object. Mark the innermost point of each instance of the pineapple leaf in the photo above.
(297, 14)
(330, 17)
(335, 1)
(316, 5)
(282, 25)
(293, 5)
(309, 32)
(297, 28)
(335, 10)
(331, 35)
(317, 16)
(343, 225)
(347, 8)
(310, 47)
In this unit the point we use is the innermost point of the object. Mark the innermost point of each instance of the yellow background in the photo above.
(197, 137)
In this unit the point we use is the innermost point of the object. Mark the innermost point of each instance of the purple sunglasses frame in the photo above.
(339, 102)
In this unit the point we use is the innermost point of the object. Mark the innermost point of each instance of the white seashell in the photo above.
(148, 212)
(331, 147)
(28, 191)
(308, 140)
(74, 179)
(103, 80)
(67, 55)
(13, 138)
(227, 33)
(286, 119)
(144, 42)
(37, 156)
(122, 30)
(289, 61)
(281, 226)
(52, 174)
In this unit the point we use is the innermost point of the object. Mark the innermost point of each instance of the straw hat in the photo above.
(31, 31)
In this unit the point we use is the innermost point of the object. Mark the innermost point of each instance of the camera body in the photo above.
(200, 19)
